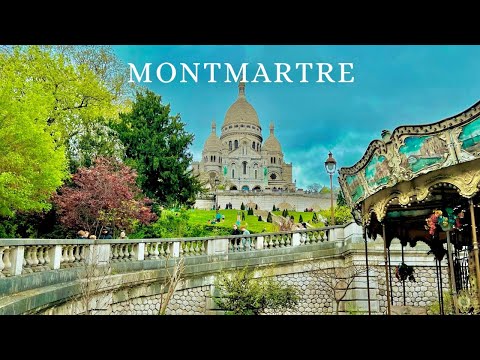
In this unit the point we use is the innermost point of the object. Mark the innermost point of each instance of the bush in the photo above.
(242, 207)
(241, 294)
(274, 209)
(300, 219)
(256, 206)
(314, 218)
(260, 218)
(269, 217)
(342, 215)
(250, 211)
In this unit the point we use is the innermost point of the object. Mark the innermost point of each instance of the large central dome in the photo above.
(241, 111)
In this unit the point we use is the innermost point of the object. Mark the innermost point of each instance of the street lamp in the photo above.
(217, 181)
(330, 166)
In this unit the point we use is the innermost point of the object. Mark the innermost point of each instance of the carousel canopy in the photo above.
(401, 170)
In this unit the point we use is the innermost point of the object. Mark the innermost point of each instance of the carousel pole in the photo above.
(403, 280)
(387, 280)
(453, 286)
(390, 275)
(475, 246)
(366, 263)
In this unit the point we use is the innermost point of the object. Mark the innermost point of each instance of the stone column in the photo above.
(55, 255)
(17, 255)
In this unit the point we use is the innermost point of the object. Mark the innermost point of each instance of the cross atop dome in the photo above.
(272, 128)
(214, 127)
(241, 89)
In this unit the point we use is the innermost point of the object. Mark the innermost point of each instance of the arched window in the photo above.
(258, 147)
(236, 144)
(233, 173)
(230, 145)
(274, 160)
(255, 173)
(253, 145)
(211, 158)
(214, 158)
(244, 168)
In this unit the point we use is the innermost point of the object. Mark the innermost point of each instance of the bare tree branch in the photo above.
(337, 280)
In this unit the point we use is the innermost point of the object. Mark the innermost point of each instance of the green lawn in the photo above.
(203, 217)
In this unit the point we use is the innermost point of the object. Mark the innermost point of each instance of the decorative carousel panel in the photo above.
(355, 187)
(377, 172)
(469, 138)
(423, 153)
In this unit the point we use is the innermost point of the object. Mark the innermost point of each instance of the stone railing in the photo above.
(23, 256)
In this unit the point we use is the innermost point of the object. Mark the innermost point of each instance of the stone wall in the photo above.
(422, 292)
(298, 201)
(184, 302)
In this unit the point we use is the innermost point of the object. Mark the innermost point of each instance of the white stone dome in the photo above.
(241, 111)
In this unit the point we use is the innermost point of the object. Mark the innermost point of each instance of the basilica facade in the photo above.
(239, 159)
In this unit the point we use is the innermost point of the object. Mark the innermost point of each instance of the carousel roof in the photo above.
(412, 159)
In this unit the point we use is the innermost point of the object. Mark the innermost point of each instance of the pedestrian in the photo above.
(123, 235)
(246, 242)
(236, 241)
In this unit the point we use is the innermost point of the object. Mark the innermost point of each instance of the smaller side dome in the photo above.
(213, 143)
(272, 143)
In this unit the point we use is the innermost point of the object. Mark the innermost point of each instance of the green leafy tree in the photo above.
(32, 164)
(94, 140)
(341, 199)
(242, 294)
(342, 215)
(157, 144)
(77, 91)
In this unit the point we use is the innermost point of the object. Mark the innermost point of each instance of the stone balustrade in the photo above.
(23, 256)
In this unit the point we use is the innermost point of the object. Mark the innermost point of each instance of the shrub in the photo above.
(260, 218)
(300, 219)
(242, 207)
(269, 217)
(242, 294)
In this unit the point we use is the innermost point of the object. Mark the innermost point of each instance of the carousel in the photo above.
(421, 184)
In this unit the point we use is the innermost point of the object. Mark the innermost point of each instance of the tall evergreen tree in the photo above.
(157, 146)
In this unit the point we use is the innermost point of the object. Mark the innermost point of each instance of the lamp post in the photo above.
(330, 166)
(217, 181)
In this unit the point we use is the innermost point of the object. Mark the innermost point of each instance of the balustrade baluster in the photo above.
(41, 259)
(82, 253)
(71, 257)
(2, 263)
(27, 265)
(115, 253)
(162, 249)
(46, 256)
(180, 250)
(6, 260)
(155, 251)
(187, 248)
(34, 256)
(202, 247)
(145, 252)
(133, 251)
(77, 254)
(120, 252)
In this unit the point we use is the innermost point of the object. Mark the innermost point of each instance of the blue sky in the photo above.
(394, 85)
